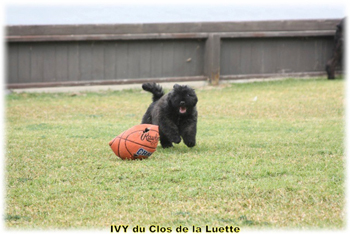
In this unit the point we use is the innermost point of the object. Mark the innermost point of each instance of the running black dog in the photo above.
(175, 113)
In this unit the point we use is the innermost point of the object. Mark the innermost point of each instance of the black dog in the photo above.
(175, 113)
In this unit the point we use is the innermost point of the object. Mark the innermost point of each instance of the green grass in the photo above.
(268, 155)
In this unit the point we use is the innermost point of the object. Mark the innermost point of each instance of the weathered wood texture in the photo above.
(103, 60)
(55, 55)
(274, 55)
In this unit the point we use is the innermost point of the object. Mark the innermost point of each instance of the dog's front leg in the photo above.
(168, 132)
(188, 131)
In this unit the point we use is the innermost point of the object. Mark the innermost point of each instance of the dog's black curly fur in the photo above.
(175, 113)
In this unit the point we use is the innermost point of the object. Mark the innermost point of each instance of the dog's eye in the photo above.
(189, 95)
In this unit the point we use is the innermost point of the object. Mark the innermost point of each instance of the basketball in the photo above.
(138, 142)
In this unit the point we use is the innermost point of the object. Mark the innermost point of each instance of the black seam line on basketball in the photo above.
(137, 143)
(119, 142)
(134, 132)
(141, 130)
(128, 149)
(113, 141)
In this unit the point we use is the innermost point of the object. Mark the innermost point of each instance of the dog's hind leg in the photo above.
(147, 119)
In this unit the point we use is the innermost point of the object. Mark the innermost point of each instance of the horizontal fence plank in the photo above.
(200, 27)
(104, 82)
(106, 37)
(270, 75)
(152, 36)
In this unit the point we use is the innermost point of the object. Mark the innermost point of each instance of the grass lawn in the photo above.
(268, 155)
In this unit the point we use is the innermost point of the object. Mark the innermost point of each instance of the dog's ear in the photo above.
(169, 96)
(176, 86)
(194, 96)
(195, 101)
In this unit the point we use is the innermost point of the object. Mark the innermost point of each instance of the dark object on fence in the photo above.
(338, 48)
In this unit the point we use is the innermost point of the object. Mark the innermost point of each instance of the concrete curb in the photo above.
(167, 85)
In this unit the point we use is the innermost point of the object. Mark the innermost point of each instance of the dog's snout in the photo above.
(182, 103)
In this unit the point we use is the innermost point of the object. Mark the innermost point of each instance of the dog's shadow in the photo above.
(177, 149)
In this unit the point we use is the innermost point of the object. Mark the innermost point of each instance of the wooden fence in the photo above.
(69, 55)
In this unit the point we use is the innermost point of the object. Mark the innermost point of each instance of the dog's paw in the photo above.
(190, 143)
(166, 145)
(176, 139)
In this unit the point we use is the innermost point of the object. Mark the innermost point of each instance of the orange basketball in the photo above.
(138, 142)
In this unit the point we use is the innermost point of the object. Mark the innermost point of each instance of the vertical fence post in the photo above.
(212, 59)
